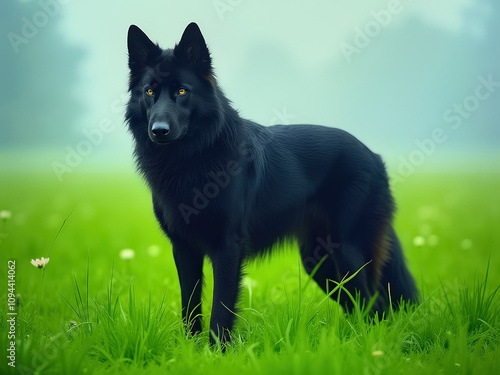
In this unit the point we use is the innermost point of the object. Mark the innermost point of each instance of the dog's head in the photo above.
(171, 91)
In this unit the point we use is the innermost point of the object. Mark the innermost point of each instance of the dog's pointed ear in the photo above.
(192, 49)
(141, 50)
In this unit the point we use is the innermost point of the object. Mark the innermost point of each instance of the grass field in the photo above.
(91, 311)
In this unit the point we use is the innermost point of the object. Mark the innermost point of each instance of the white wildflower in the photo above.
(5, 215)
(127, 254)
(40, 263)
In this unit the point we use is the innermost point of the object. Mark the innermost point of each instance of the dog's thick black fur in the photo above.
(228, 188)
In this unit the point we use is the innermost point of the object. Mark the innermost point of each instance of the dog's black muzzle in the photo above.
(159, 132)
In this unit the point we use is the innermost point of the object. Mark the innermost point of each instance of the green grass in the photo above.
(90, 311)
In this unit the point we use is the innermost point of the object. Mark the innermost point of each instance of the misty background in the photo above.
(64, 73)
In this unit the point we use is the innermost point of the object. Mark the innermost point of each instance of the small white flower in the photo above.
(377, 353)
(249, 282)
(419, 241)
(127, 254)
(5, 215)
(40, 263)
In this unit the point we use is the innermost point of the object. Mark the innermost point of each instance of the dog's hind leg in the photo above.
(358, 217)
(327, 263)
(395, 277)
(364, 222)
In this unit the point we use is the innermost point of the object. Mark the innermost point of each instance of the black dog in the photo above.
(228, 188)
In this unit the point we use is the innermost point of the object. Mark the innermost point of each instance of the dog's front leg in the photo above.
(227, 273)
(189, 265)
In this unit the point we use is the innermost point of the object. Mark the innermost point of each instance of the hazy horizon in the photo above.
(404, 77)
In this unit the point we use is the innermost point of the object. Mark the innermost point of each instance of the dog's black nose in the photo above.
(160, 129)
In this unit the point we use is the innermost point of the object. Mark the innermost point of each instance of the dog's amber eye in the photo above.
(150, 92)
(182, 91)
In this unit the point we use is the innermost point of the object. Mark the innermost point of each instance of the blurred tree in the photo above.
(38, 75)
